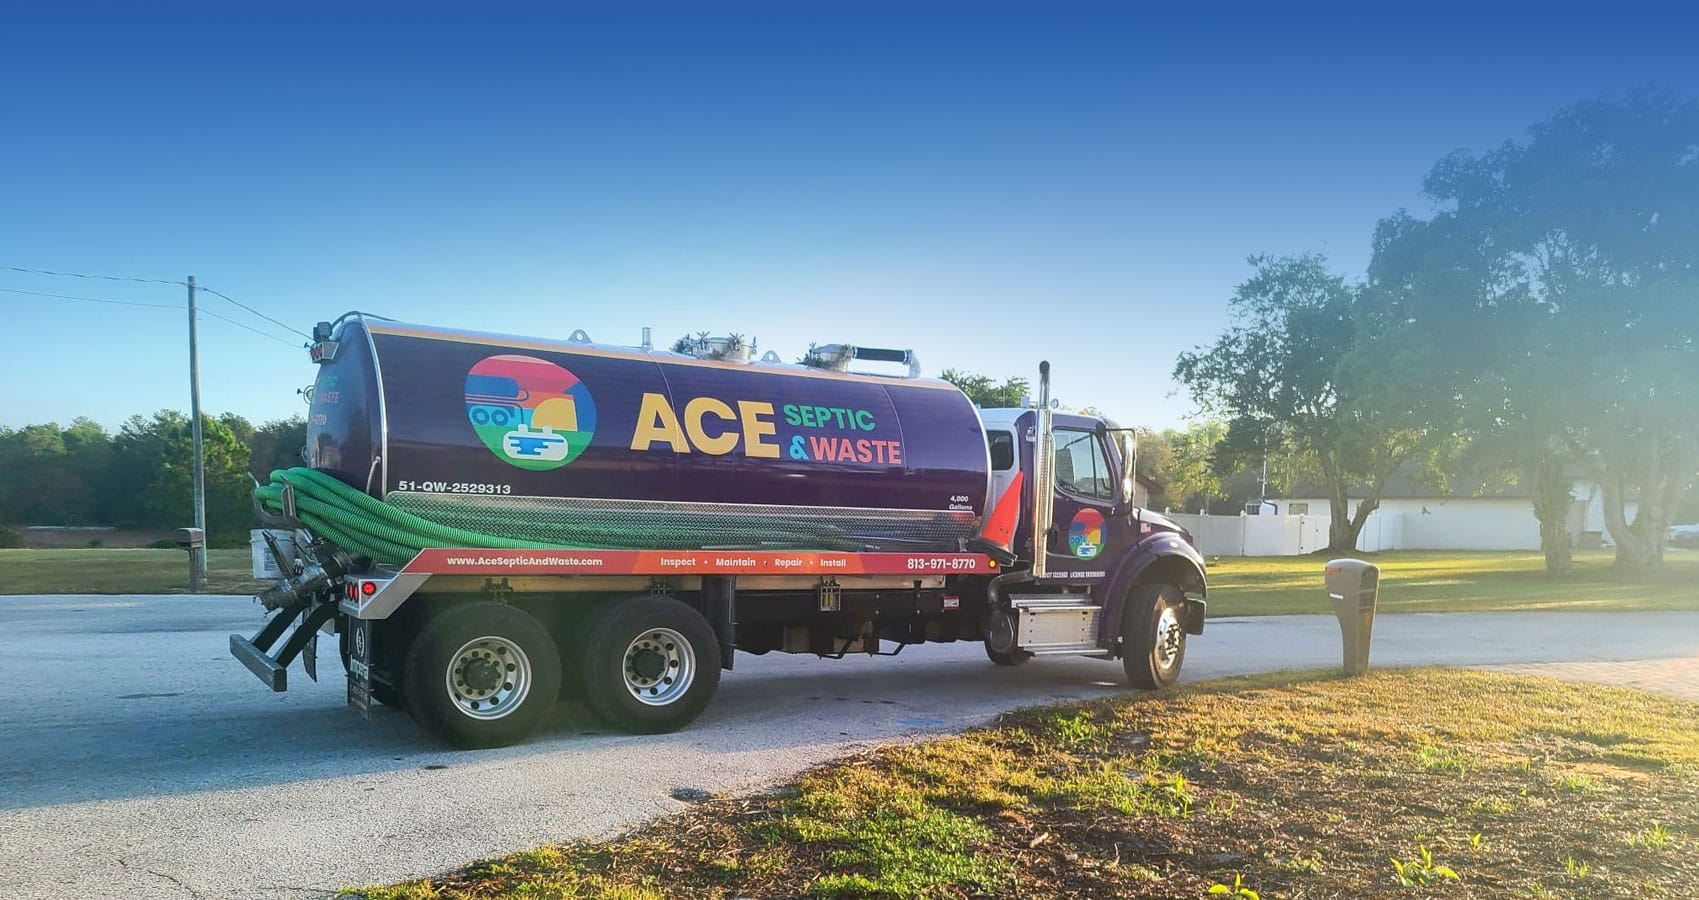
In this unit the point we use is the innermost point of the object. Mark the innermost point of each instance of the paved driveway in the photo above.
(138, 759)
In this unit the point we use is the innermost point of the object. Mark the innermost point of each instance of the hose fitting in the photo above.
(329, 565)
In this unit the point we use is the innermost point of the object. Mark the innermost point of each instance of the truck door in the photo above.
(1086, 532)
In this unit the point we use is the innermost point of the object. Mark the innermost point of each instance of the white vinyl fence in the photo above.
(1244, 535)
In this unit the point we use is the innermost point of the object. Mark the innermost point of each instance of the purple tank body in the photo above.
(449, 424)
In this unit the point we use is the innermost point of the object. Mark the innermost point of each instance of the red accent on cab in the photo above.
(999, 527)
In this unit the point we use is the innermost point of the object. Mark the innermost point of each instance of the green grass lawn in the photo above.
(120, 571)
(1285, 785)
(1440, 581)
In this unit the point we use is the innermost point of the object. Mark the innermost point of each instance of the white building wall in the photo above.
(1592, 500)
(1462, 523)
(1456, 523)
(1243, 535)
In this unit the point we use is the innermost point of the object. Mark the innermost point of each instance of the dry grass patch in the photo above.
(1439, 782)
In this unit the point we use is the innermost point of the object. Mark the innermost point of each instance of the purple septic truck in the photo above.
(711, 503)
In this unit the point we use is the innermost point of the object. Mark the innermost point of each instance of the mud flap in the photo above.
(1192, 615)
(360, 666)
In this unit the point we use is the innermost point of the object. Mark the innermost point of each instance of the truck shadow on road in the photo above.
(151, 742)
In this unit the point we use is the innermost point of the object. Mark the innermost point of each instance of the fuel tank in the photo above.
(578, 443)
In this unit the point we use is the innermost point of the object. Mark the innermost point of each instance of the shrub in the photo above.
(10, 539)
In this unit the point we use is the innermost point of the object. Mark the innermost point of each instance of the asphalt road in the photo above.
(138, 759)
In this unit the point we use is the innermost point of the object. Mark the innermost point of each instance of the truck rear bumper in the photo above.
(273, 668)
(267, 669)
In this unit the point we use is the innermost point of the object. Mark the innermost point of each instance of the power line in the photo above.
(208, 312)
(100, 277)
(283, 341)
(256, 312)
(204, 289)
(90, 299)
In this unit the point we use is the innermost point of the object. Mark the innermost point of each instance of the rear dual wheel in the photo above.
(481, 674)
(649, 664)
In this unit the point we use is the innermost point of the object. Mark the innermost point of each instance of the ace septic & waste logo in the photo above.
(530, 412)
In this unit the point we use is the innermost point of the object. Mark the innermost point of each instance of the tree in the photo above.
(1566, 268)
(276, 445)
(140, 478)
(239, 426)
(985, 392)
(138, 453)
(170, 496)
(1310, 366)
(1182, 462)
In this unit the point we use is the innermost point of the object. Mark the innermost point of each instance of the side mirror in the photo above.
(1129, 468)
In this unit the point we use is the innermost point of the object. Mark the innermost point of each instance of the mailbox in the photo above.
(1354, 588)
(191, 538)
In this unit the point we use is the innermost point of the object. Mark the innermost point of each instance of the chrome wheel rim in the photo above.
(488, 677)
(1170, 637)
(659, 667)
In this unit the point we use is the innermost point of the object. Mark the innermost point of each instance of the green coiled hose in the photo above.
(367, 526)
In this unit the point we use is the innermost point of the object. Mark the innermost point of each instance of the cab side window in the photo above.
(1002, 451)
(1081, 467)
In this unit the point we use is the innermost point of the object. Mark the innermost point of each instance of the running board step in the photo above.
(1052, 623)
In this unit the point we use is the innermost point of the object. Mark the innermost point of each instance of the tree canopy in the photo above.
(140, 477)
(1557, 285)
(987, 392)
(1309, 366)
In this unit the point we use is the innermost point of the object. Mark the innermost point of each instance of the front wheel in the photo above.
(1153, 638)
(482, 674)
(650, 664)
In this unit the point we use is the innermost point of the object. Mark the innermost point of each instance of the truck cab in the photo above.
(1106, 577)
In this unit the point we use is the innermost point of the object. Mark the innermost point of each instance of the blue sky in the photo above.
(990, 185)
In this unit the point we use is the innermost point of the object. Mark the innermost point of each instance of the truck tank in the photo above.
(582, 444)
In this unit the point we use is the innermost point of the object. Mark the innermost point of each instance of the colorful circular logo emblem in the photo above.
(1085, 534)
(530, 412)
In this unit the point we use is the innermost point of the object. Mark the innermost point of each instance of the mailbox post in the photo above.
(194, 541)
(1354, 587)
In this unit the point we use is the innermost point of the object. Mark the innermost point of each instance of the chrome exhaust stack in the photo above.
(1043, 476)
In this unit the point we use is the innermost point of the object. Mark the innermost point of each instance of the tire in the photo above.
(649, 665)
(1000, 633)
(1153, 640)
(481, 674)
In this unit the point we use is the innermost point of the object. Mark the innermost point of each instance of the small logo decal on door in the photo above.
(1085, 534)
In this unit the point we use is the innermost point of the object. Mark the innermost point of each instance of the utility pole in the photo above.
(197, 554)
